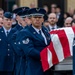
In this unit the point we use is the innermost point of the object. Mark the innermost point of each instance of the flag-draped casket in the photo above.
(59, 48)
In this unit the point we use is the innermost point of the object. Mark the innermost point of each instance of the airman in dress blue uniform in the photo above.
(15, 14)
(6, 50)
(20, 66)
(33, 40)
(21, 13)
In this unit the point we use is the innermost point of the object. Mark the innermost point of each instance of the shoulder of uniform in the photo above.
(1, 29)
(14, 29)
(44, 28)
(24, 31)
(23, 36)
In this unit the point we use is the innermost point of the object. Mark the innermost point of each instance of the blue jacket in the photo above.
(6, 51)
(20, 61)
(31, 44)
(17, 28)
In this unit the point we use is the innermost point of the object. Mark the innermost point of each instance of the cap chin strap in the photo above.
(24, 16)
(37, 14)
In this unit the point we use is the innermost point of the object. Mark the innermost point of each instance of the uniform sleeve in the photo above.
(16, 47)
(29, 49)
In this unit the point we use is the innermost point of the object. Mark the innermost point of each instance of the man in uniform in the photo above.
(16, 18)
(19, 17)
(6, 50)
(33, 40)
(20, 66)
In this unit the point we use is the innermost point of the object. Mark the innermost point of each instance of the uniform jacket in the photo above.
(20, 61)
(31, 45)
(6, 51)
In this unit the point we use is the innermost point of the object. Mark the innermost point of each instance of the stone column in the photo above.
(70, 4)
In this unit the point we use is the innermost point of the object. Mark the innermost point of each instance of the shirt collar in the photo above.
(55, 26)
(6, 29)
(21, 25)
(37, 30)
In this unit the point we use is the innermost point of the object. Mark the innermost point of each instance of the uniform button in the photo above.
(0, 39)
(19, 43)
(2, 31)
(15, 43)
(8, 44)
(8, 54)
(8, 49)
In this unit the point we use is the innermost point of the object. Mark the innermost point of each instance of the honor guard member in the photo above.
(20, 21)
(20, 66)
(33, 40)
(24, 15)
(15, 16)
(20, 14)
(6, 50)
(15, 11)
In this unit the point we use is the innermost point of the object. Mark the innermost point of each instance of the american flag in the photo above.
(59, 48)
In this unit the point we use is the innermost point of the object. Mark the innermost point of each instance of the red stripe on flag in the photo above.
(63, 38)
(65, 46)
(54, 56)
(44, 58)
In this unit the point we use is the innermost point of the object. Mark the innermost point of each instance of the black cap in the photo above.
(23, 13)
(8, 15)
(19, 9)
(37, 11)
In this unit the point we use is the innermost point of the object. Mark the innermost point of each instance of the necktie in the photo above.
(40, 32)
(53, 28)
(7, 33)
(43, 36)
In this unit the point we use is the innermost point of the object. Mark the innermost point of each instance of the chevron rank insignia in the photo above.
(26, 41)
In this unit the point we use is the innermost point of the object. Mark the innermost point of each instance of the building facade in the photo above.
(65, 4)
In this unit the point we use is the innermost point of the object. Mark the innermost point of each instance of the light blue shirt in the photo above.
(5, 30)
(37, 30)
